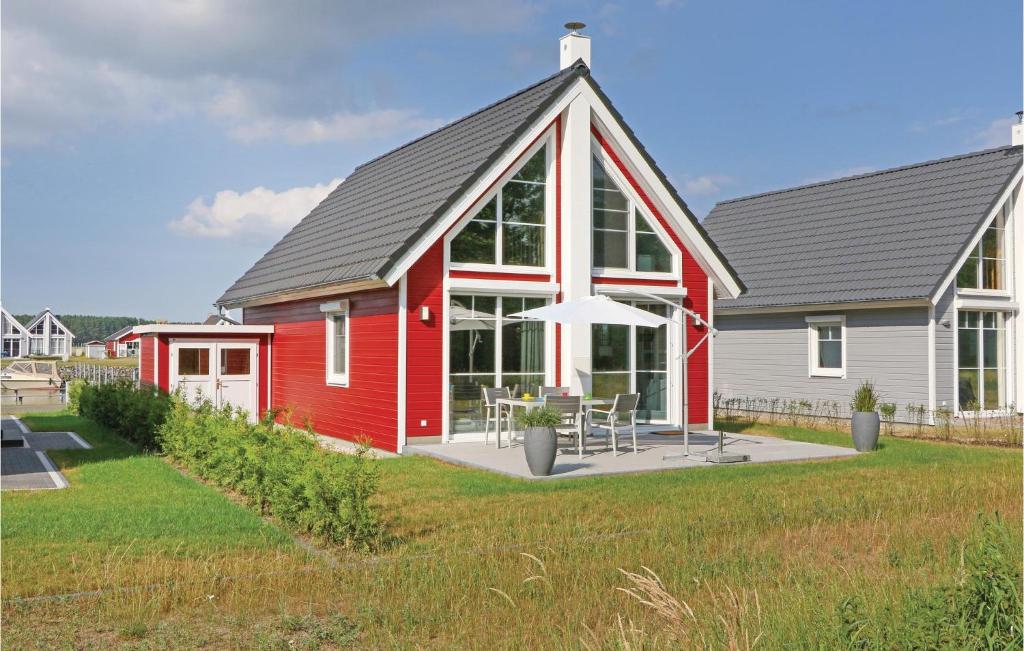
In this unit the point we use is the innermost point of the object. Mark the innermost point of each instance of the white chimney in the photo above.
(1017, 132)
(573, 46)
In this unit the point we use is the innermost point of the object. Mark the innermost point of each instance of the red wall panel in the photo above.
(147, 357)
(425, 351)
(368, 406)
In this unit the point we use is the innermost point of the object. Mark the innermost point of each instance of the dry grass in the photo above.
(749, 557)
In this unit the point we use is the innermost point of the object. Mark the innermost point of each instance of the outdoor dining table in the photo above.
(534, 403)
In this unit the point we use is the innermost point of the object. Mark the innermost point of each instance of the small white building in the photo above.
(96, 349)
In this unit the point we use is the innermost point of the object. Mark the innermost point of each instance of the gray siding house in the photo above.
(910, 277)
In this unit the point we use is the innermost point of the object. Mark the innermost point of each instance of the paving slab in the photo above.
(654, 453)
(29, 468)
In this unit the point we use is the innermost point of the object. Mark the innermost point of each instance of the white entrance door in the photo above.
(236, 376)
(223, 373)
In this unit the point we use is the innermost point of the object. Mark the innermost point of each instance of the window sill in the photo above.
(987, 293)
(499, 268)
(341, 383)
(604, 272)
(837, 373)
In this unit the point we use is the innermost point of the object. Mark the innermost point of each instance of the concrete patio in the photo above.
(25, 465)
(650, 456)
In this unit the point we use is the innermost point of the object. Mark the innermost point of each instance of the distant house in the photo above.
(123, 343)
(95, 349)
(910, 277)
(48, 337)
(219, 319)
(15, 336)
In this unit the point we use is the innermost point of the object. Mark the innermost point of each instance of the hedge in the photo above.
(281, 471)
(134, 413)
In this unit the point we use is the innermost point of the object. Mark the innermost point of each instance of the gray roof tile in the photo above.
(893, 234)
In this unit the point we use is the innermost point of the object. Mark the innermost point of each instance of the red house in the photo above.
(386, 307)
(123, 343)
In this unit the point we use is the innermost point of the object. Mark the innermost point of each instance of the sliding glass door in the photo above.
(633, 359)
(487, 348)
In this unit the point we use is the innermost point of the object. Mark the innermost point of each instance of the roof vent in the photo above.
(1017, 131)
(573, 46)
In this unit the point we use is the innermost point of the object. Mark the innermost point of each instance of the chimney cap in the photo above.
(574, 26)
(1020, 116)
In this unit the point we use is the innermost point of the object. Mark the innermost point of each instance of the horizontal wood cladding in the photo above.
(498, 275)
(368, 407)
(698, 365)
(424, 384)
(653, 282)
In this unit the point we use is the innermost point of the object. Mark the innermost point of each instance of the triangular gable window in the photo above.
(510, 227)
(623, 237)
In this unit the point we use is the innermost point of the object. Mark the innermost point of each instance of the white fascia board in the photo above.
(660, 195)
(1007, 193)
(487, 285)
(171, 328)
(467, 200)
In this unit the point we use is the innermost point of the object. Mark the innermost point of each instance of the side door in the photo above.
(236, 376)
(193, 370)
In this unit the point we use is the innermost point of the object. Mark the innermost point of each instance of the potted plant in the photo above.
(865, 421)
(539, 438)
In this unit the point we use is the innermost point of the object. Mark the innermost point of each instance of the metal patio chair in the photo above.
(622, 415)
(571, 409)
(552, 391)
(492, 411)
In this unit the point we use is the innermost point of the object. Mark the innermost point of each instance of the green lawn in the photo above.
(762, 555)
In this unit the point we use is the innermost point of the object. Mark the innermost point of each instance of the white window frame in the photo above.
(813, 322)
(635, 205)
(494, 193)
(331, 311)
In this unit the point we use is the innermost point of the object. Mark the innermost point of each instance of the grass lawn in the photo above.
(764, 553)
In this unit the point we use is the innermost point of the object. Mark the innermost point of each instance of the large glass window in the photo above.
(980, 360)
(510, 227)
(985, 267)
(633, 359)
(488, 348)
(623, 237)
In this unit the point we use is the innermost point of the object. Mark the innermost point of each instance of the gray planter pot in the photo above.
(865, 430)
(540, 444)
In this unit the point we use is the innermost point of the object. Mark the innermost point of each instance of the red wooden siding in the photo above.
(499, 275)
(368, 406)
(425, 348)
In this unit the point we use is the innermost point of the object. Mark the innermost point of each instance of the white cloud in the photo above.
(996, 134)
(705, 185)
(256, 68)
(258, 213)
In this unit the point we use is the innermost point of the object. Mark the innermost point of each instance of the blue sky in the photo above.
(152, 152)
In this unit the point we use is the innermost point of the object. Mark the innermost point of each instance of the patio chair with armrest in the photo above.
(493, 411)
(622, 415)
(571, 409)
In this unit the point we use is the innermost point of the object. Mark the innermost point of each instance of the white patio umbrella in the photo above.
(594, 309)
(602, 309)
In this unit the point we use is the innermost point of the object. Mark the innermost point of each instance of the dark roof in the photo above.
(214, 319)
(94, 341)
(386, 205)
(888, 235)
(120, 333)
(361, 229)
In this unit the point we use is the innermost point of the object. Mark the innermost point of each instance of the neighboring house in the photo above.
(910, 277)
(48, 337)
(95, 349)
(387, 307)
(123, 343)
(219, 319)
(15, 336)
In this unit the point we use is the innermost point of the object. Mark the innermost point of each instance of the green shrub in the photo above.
(75, 388)
(865, 398)
(888, 412)
(542, 417)
(281, 471)
(980, 609)
(134, 413)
